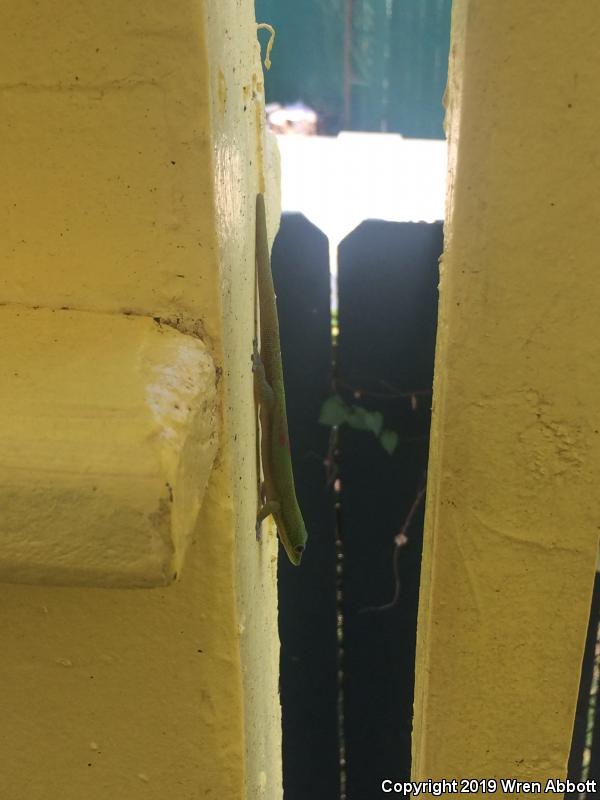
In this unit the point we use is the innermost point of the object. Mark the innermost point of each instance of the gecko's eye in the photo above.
(299, 549)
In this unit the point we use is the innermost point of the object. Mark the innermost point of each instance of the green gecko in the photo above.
(277, 494)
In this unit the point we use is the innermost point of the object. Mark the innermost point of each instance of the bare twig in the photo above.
(330, 461)
(391, 393)
(400, 540)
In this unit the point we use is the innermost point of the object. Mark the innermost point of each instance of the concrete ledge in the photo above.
(107, 439)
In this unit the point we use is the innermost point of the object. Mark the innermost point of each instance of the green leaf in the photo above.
(363, 420)
(334, 411)
(389, 440)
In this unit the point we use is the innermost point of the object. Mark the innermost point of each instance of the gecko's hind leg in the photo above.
(268, 508)
(260, 503)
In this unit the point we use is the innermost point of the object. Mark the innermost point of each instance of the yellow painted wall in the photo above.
(132, 149)
(118, 220)
(513, 507)
(246, 162)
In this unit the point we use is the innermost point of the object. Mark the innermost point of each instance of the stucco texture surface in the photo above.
(513, 508)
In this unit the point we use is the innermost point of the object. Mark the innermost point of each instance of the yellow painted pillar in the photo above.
(131, 149)
(513, 506)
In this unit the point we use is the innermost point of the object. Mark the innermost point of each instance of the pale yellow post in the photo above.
(131, 149)
(513, 507)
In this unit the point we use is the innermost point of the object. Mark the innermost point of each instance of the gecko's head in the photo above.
(295, 544)
(298, 550)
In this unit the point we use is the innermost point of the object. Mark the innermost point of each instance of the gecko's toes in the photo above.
(258, 531)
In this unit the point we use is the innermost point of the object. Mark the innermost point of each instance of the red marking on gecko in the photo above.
(283, 440)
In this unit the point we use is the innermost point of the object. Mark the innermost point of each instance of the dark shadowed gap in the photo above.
(584, 760)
